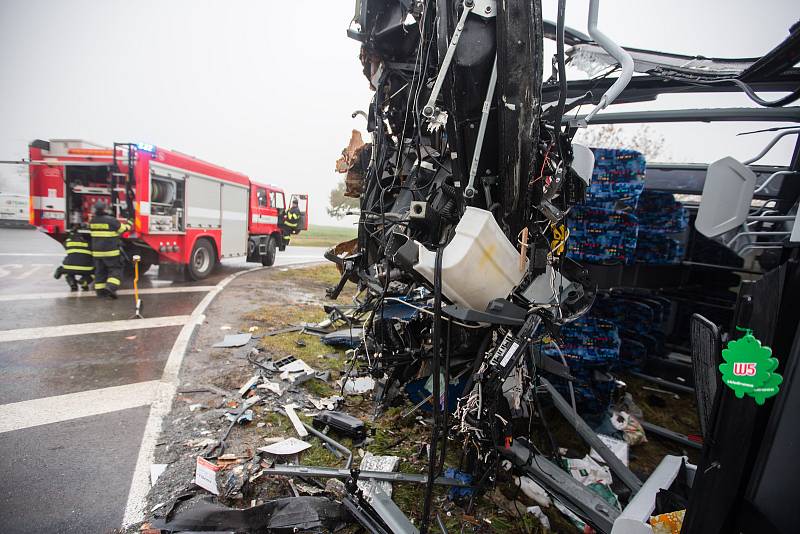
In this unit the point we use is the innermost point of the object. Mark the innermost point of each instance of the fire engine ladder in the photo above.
(126, 179)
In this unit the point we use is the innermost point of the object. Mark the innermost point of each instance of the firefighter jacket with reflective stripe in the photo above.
(292, 218)
(105, 231)
(79, 254)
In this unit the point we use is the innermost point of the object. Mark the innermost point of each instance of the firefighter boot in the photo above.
(58, 273)
(73, 284)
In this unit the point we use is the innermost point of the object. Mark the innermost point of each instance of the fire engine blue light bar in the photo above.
(146, 147)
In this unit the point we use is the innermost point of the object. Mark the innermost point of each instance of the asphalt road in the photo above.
(77, 379)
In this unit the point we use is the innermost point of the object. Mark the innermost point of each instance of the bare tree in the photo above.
(643, 139)
(341, 204)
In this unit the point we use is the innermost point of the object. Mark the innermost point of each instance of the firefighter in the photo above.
(78, 265)
(292, 219)
(105, 231)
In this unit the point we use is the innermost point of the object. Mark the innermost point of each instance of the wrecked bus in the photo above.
(187, 214)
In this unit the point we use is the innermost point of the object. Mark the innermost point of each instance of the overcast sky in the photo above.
(267, 88)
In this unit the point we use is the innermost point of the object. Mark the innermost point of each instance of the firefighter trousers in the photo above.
(75, 278)
(107, 275)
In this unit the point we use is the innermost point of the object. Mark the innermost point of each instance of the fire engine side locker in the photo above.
(235, 200)
(203, 202)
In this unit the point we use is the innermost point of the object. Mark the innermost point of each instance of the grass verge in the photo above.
(323, 236)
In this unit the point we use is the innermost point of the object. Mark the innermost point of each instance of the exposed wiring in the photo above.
(751, 94)
(429, 312)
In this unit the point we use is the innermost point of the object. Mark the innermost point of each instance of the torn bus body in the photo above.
(466, 186)
(463, 201)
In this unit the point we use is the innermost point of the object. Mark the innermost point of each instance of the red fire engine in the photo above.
(188, 214)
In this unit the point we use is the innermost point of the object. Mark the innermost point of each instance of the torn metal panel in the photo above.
(617, 466)
(354, 163)
(586, 503)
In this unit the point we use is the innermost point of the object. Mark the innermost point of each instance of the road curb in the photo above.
(162, 404)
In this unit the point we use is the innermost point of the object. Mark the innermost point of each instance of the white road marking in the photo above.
(37, 254)
(32, 269)
(81, 329)
(144, 291)
(23, 270)
(36, 412)
(162, 404)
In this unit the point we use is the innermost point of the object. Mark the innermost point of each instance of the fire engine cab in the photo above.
(187, 214)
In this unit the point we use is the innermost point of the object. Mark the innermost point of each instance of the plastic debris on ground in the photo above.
(347, 337)
(244, 417)
(357, 385)
(537, 512)
(586, 471)
(340, 423)
(326, 403)
(619, 447)
(533, 491)
(296, 422)
(233, 340)
(287, 447)
(456, 493)
(631, 428)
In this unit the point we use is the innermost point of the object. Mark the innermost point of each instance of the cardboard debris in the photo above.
(233, 340)
(205, 475)
(286, 447)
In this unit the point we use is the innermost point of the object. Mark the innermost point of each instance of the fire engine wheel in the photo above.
(269, 258)
(202, 260)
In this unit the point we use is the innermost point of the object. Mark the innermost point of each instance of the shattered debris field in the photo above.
(211, 395)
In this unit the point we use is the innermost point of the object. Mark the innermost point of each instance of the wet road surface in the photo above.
(76, 377)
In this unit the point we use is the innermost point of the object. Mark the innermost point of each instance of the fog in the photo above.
(267, 88)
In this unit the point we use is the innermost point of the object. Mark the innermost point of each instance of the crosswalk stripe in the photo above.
(22, 334)
(36, 412)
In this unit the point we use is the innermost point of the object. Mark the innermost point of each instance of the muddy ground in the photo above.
(267, 300)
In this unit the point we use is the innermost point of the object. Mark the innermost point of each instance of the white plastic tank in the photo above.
(479, 265)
